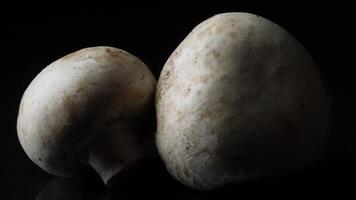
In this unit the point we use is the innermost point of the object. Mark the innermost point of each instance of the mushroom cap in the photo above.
(78, 99)
(239, 99)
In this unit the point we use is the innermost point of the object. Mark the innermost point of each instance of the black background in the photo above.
(33, 36)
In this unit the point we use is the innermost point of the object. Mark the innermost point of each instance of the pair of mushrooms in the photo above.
(239, 99)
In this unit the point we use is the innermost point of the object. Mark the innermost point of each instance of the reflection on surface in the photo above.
(71, 189)
(88, 189)
(158, 184)
(148, 180)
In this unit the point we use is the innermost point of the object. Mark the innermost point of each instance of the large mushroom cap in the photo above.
(78, 100)
(239, 99)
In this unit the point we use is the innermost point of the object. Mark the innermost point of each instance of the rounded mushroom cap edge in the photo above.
(78, 98)
(184, 144)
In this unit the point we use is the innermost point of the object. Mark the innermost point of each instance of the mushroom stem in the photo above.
(114, 153)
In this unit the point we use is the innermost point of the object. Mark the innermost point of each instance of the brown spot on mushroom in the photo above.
(206, 114)
(186, 173)
(79, 90)
(174, 56)
(196, 58)
(204, 78)
(187, 91)
(188, 146)
(218, 29)
(215, 53)
(24, 132)
(167, 74)
(233, 34)
(198, 93)
(200, 34)
(112, 53)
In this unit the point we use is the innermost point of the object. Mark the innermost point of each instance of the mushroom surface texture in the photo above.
(239, 99)
(85, 110)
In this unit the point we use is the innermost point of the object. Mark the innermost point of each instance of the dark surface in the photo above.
(33, 37)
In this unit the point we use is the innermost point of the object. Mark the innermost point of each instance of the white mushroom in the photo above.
(239, 99)
(86, 109)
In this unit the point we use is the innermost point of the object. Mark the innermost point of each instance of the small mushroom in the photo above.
(239, 99)
(86, 110)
